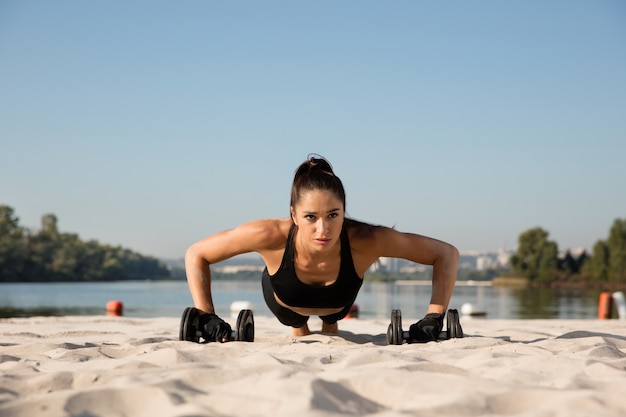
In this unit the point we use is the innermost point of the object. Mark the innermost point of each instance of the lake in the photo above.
(376, 299)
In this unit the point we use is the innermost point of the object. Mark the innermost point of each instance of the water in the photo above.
(376, 300)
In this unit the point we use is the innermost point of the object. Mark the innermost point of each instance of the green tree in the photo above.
(536, 257)
(616, 243)
(12, 245)
(570, 265)
(42, 248)
(608, 260)
(89, 266)
(597, 266)
(67, 256)
(113, 267)
(49, 226)
(580, 262)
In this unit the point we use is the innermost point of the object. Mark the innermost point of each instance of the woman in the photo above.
(315, 259)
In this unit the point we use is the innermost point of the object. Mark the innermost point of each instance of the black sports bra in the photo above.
(293, 292)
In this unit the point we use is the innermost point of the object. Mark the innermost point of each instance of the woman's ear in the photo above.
(293, 215)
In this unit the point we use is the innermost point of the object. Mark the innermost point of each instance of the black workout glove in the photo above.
(427, 329)
(214, 329)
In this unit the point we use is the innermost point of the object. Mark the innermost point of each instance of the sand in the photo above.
(118, 366)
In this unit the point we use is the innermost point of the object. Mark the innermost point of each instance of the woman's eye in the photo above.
(332, 215)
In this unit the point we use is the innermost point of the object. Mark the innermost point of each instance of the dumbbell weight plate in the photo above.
(245, 326)
(394, 331)
(189, 325)
(453, 324)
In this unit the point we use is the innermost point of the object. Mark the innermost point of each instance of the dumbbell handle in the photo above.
(233, 334)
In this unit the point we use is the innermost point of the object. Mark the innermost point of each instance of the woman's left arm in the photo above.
(443, 257)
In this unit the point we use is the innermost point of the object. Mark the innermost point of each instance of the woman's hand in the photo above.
(214, 329)
(427, 329)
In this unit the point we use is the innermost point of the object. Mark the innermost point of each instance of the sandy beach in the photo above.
(117, 366)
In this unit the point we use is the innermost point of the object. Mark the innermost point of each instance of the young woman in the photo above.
(315, 259)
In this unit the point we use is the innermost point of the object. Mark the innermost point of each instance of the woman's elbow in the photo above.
(193, 256)
(453, 253)
(448, 256)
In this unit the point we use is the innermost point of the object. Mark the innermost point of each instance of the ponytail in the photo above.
(316, 173)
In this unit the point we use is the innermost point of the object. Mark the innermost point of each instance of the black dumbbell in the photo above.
(190, 326)
(397, 336)
(453, 325)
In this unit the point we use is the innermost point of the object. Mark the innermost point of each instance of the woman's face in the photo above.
(319, 216)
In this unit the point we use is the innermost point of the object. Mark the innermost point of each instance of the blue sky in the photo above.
(152, 124)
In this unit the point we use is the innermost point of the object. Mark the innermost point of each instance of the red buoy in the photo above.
(605, 306)
(114, 308)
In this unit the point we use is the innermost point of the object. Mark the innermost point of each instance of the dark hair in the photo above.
(316, 173)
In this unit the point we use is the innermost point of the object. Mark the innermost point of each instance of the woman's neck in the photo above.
(316, 267)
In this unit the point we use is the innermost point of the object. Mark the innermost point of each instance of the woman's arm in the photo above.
(443, 257)
(256, 236)
(199, 278)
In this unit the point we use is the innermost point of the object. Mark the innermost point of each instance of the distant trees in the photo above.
(537, 258)
(608, 261)
(49, 255)
(13, 252)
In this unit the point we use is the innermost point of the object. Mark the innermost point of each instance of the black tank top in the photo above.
(293, 292)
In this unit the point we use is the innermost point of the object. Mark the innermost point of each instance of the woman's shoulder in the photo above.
(363, 236)
(281, 225)
(366, 242)
(358, 230)
(369, 237)
(272, 232)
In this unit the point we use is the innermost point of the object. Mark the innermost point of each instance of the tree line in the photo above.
(49, 255)
(537, 259)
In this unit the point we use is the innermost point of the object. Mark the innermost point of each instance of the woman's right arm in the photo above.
(256, 236)
(199, 278)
